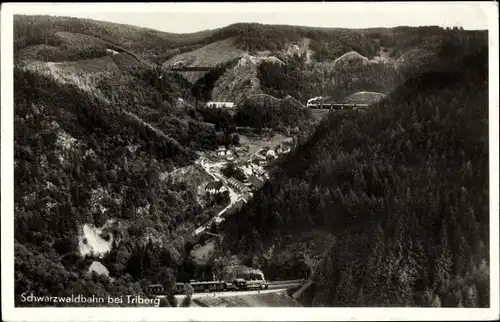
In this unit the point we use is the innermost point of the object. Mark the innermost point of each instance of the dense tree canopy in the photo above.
(304, 81)
(81, 159)
(100, 129)
(403, 187)
(151, 44)
(326, 43)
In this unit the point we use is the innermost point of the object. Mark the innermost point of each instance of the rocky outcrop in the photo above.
(351, 58)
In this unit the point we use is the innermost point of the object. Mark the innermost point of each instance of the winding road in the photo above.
(235, 197)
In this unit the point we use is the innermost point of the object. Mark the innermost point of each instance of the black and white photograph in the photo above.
(285, 160)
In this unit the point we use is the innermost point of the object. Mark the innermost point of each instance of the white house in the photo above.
(220, 104)
(221, 151)
(271, 154)
(283, 149)
(111, 52)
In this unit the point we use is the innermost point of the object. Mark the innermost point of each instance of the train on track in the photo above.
(337, 106)
(236, 285)
(326, 103)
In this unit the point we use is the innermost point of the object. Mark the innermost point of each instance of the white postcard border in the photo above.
(9, 313)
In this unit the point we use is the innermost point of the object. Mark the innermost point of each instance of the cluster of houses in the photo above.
(256, 175)
(229, 154)
(267, 154)
(261, 158)
(254, 171)
(216, 186)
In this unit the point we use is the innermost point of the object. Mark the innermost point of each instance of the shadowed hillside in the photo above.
(106, 138)
(81, 160)
(265, 111)
(98, 130)
(402, 189)
(148, 43)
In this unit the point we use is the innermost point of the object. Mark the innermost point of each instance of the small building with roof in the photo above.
(212, 104)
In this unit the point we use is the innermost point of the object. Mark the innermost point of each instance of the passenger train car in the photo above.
(337, 106)
(325, 103)
(238, 284)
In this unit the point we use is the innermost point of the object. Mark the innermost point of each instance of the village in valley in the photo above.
(321, 164)
(241, 169)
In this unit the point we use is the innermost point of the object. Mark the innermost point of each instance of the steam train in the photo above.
(326, 103)
(337, 106)
(238, 284)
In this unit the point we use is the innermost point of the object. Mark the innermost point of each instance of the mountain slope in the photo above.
(265, 111)
(239, 82)
(210, 55)
(98, 130)
(257, 44)
(148, 43)
(403, 190)
(106, 138)
(351, 58)
(82, 161)
(317, 61)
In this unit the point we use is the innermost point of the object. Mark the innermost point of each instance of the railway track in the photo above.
(231, 294)
(273, 287)
(287, 282)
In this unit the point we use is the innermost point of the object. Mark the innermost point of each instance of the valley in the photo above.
(350, 161)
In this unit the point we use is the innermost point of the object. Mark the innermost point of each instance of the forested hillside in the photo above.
(265, 111)
(103, 132)
(304, 81)
(77, 34)
(96, 138)
(83, 161)
(402, 188)
(327, 43)
(417, 50)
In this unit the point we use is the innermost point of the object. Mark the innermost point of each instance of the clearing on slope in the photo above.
(211, 55)
(87, 66)
(147, 43)
(64, 46)
(364, 97)
(86, 74)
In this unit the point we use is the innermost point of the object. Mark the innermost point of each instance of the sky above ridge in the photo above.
(193, 17)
